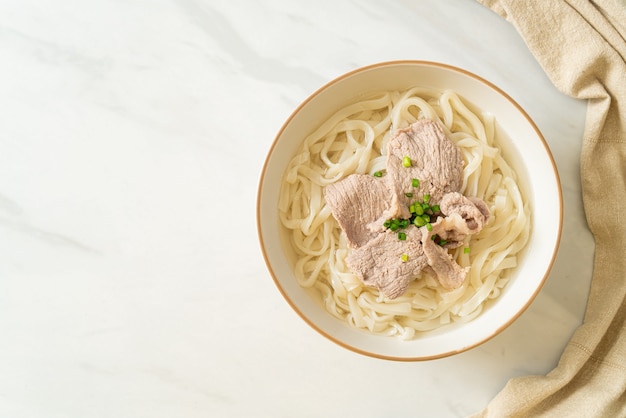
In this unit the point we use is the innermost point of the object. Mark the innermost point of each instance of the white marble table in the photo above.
(132, 135)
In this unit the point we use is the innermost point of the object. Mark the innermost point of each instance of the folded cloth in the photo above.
(581, 45)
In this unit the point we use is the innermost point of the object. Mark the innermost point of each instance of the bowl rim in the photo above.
(427, 63)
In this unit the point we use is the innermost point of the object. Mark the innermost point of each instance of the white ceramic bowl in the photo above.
(522, 144)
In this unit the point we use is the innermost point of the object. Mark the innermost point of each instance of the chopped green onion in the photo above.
(378, 174)
(426, 198)
(408, 194)
(415, 183)
(401, 236)
(466, 250)
(443, 242)
(419, 210)
(395, 223)
(405, 258)
(419, 221)
(426, 217)
(436, 208)
(412, 208)
(429, 227)
(406, 161)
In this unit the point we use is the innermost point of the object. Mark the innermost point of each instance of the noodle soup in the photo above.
(354, 140)
(342, 128)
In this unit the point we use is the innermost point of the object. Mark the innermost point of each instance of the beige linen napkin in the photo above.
(581, 45)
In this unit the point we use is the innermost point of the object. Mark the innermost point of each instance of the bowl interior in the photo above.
(524, 148)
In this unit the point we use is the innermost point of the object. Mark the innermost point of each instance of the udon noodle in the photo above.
(354, 140)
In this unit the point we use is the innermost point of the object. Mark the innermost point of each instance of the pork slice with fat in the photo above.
(463, 216)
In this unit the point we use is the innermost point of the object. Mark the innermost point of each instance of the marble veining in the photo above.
(132, 135)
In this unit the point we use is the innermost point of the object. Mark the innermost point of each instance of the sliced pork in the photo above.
(361, 204)
(463, 216)
(388, 263)
(434, 160)
(357, 202)
(472, 210)
(449, 274)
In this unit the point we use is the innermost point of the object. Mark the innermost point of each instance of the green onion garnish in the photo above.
(408, 194)
(419, 221)
(419, 210)
(466, 250)
(443, 242)
(394, 224)
(406, 161)
(415, 183)
(436, 208)
(426, 198)
(405, 258)
(378, 174)
(429, 227)
(401, 236)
